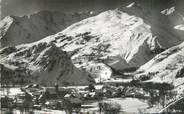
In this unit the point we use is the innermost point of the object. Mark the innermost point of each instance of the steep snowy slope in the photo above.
(43, 63)
(167, 67)
(125, 40)
(125, 37)
(18, 30)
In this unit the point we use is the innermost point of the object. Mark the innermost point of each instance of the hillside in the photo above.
(42, 63)
(166, 67)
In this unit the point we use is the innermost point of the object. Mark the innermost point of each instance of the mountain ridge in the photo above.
(33, 27)
(40, 62)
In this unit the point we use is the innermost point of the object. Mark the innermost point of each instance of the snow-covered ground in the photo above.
(10, 91)
(44, 111)
(80, 87)
(118, 80)
(128, 105)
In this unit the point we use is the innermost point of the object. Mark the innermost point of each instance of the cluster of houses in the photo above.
(37, 97)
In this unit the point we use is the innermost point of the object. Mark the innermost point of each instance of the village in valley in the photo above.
(110, 97)
(72, 99)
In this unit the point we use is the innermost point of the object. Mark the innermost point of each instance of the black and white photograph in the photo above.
(91, 56)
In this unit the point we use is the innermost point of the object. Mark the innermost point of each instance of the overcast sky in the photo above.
(23, 7)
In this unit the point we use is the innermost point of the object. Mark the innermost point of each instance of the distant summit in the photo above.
(16, 30)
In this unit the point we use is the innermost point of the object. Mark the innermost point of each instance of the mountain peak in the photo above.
(19, 30)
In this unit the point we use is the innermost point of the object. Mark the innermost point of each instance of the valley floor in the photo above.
(128, 105)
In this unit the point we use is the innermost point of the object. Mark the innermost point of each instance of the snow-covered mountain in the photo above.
(16, 30)
(124, 37)
(122, 40)
(115, 39)
(43, 63)
(166, 67)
